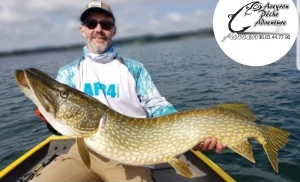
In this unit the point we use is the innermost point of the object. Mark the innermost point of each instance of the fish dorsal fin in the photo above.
(244, 149)
(239, 108)
(180, 166)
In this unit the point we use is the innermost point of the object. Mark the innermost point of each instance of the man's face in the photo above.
(98, 39)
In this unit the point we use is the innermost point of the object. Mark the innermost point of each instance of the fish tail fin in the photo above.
(275, 139)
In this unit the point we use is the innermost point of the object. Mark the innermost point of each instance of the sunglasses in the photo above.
(92, 24)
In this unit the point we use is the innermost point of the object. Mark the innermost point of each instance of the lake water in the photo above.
(190, 74)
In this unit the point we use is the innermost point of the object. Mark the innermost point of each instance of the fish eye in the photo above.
(64, 93)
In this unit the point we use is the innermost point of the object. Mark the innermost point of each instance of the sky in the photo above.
(36, 23)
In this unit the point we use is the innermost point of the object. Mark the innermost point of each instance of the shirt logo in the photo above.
(97, 88)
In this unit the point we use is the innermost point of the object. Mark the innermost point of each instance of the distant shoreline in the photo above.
(123, 41)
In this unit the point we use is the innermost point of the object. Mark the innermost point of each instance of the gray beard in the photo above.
(98, 49)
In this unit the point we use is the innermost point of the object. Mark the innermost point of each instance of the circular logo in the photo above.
(255, 33)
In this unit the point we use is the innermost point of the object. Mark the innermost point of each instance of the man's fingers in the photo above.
(206, 144)
(201, 145)
(212, 144)
(219, 147)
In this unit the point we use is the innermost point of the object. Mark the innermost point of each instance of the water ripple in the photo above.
(190, 74)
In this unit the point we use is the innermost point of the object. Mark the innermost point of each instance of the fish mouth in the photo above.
(24, 79)
(21, 79)
(23, 84)
(46, 93)
(33, 83)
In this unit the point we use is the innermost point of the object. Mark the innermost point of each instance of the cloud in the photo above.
(174, 17)
(199, 13)
(169, 22)
(34, 23)
(8, 16)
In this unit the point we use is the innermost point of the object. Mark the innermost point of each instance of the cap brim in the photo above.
(93, 9)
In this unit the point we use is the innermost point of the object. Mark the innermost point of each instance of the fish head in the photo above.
(68, 110)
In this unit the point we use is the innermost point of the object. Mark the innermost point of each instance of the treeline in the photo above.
(118, 42)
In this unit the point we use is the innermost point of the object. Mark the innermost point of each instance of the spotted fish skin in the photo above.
(149, 141)
(146, 141)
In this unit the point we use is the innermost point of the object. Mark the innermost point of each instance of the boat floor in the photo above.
(162, 172)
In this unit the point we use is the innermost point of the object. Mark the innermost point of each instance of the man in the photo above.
(120, 83)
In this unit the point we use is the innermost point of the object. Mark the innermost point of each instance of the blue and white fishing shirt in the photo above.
(124, 86)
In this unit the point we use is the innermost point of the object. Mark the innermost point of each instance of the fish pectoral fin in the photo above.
(181, 167)
(83, 151)
(244, 149)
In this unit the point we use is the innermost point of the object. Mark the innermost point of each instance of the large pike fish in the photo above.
(145, 141)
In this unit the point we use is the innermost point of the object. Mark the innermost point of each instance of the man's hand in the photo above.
(210, 144)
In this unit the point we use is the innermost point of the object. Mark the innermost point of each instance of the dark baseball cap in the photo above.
(96, 6)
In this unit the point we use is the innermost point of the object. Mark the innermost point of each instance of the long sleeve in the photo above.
(66, 74)
(150, 98)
